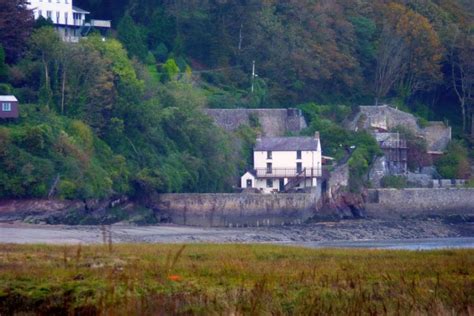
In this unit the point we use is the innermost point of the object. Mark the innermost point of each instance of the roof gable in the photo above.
(8, 98)
(286, 144)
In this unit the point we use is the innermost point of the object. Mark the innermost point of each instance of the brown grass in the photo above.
(233, 279)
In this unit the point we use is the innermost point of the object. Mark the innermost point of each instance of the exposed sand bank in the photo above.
(328, 233)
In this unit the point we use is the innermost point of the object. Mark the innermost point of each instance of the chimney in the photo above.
(259, 136)
(316, 135)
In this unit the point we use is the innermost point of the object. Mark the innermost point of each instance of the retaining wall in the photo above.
(234, 210)
(419, 202)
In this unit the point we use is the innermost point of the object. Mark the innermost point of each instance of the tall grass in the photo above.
(233, 279)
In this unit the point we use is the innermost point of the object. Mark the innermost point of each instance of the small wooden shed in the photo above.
(8, 107)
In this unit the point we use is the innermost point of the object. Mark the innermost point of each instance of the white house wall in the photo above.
(262, 184)
(287, 159)
(245, 177)
(62, 7)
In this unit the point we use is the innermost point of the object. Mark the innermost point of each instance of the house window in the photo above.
(269, 167)
(65, 18)
(249, 183)
(49, 14)
(57, 16)
(269, 183)
(40, 13)
(6, 107)
(299, 167)
(298, 154)
(269, 154)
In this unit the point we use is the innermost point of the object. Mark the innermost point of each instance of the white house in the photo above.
(69, 20)
(284, 163)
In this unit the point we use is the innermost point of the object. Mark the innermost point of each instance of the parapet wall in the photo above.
(274, 122)
(393, 203)
(234, 210)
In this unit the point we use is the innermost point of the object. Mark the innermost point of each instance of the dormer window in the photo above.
(269, 154)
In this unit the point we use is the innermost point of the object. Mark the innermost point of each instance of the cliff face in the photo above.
(273, 122)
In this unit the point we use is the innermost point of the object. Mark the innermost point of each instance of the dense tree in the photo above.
(3, 66)
(409, 53)
(132, 38)
(16, 23)
(462, 74)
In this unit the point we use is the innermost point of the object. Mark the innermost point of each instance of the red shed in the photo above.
(8, 107)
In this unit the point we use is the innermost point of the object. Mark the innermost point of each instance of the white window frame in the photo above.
(6, 107)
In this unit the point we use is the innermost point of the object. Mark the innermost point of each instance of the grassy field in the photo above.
(232, 280)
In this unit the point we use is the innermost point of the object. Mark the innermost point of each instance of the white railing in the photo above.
(287, 172)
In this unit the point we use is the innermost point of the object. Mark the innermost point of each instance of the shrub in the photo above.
(454, 164)
(397, 182)
(67, 189)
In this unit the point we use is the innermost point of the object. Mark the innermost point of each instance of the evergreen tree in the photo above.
(131, 37)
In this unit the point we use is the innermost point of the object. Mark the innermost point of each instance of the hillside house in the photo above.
(8, 107)
(68, 20)
(282, 164)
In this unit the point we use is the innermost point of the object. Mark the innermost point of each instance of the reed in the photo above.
(233, 279)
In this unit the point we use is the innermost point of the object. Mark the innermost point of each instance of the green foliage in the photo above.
(3, 66)
(171, 70)
(454, 164)
(131, 37)
(397, 182)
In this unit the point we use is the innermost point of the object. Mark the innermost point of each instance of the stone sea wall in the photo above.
(234, 210)
(410, 203)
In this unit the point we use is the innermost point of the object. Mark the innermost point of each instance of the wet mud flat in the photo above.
(346, 233)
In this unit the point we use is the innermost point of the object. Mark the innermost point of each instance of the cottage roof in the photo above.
(286, 144)
(8, 98)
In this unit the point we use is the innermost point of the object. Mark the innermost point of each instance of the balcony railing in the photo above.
(287, 173)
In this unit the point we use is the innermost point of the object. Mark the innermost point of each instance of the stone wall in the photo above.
(338, 179)
(274, 122)
(419, 202)
(234, 210)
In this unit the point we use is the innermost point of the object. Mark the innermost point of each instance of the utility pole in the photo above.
(253, 73)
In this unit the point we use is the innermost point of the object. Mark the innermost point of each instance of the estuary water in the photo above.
(399, 244)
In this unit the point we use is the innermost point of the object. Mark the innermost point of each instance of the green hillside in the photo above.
(122, 116)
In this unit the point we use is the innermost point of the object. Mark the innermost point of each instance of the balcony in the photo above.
(287, 172)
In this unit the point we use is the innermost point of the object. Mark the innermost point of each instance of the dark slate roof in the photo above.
(286, 144)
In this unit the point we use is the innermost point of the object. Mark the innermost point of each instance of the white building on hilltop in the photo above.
(69, 21)
(282, 164)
